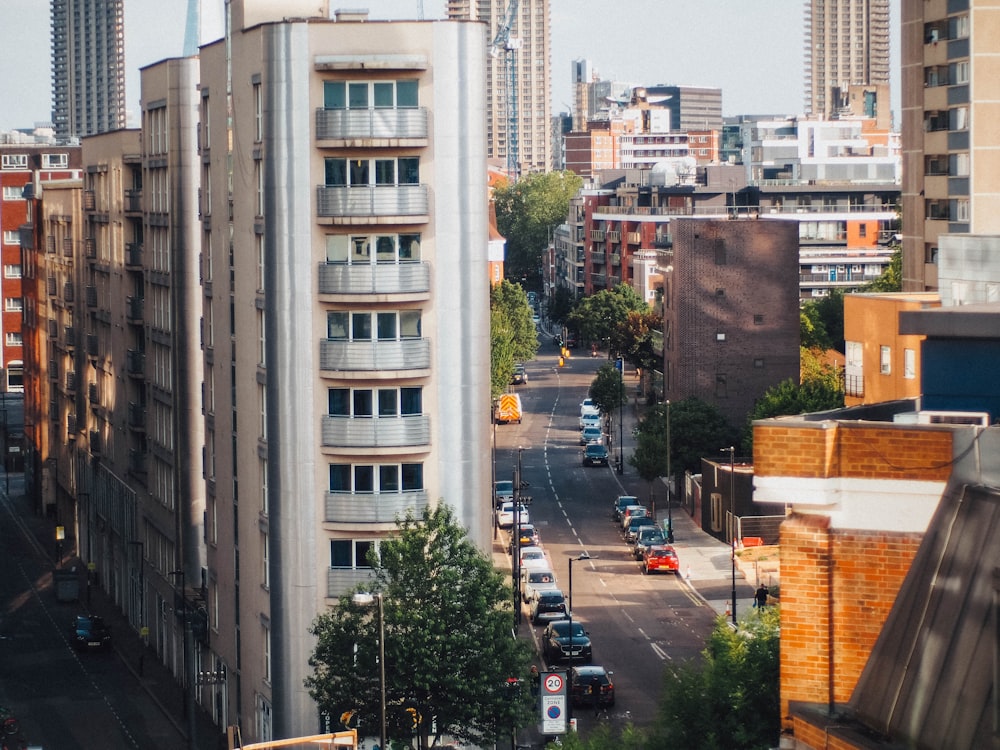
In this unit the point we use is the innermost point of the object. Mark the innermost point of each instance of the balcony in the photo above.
(136, 417)
(90, 248)
(379, 507)
(376, 432)
(634, 238)
(135, 363)
(91, 295)
(616, 259)
(133, 256)
(342, 580)
(134, 309)
(92, 345)
(68, 291)
(384, 278)
(71, 382)
(598, 257)
(398, 127)
(615, 235)
(133, 201)
(137, 462)
(408, 355)
(403, 203)
(597, 235)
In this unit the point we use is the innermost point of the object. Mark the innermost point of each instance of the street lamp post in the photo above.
(187, 661)
(364, 599)
(516, 539)
(583, 556)
(621, 413)
(670, 481)
(732, 519)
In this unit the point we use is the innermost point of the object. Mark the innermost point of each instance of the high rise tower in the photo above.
(847, 45)
(88, 67)
(531, 29)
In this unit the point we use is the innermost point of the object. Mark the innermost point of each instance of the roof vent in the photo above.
(954, 417)
(354, 15)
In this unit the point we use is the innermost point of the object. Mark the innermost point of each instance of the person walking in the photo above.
(760, 597)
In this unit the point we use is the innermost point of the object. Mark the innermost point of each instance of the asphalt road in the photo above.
(638, 624)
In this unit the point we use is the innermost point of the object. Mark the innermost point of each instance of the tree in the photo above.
(449, 653)
(830, 310)
(891, 278)
(812, 329)
(729, 701)
(606, 389)
(513, 336)
(789, 397)
(650, 455)
(601, 315)
(527, 212)
(560, 305)
(635, 338)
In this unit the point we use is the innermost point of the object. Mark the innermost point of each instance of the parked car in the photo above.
(591, 685)
(558, 646)
(633, 511)
(534, 557)
(527, 536)
(634, 525)
(90, 633)
(590, 420)
(546, 606)
(660, 557)
(595, 454)
(620, 504)
(591, 435)
(539, 579)
(647, 537)
(503, 490)
(520, 376)
(506, 513)
(588, 408)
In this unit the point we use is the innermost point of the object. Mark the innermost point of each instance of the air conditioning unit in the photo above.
(980, 418)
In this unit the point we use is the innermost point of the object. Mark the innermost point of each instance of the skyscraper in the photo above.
(530, 99)
(88, 67)
(847, 45)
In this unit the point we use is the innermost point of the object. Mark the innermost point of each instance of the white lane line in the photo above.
(660, 652)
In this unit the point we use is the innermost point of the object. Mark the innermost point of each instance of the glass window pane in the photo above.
(409, 324)
(360, 250)
(383, 94)
(409, 247)
(336, 325)
(385, 249)
(388, 478)
(359, 172)
(340, 553)
(362, 326)
(385, 172)
(340, 477)
(336, 172)
(357, 96)
(339, 404)
(362, 403)
(409, 170)
(364, 479)
(334, 95)
(410, 401)
(336, 248)
(361, 550)
(406, 93)
(387, 398)
(413, 477)
(387, 326)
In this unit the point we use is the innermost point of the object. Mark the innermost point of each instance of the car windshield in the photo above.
(551, 597)
(561, 629)
(505, 488)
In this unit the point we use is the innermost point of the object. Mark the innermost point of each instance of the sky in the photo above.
(751, 49)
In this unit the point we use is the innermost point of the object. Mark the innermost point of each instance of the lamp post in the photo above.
(516, 539)
(732, 518)
(187, 662)
(364, 599)
(583, 556)
(670, 481)
(621, 413)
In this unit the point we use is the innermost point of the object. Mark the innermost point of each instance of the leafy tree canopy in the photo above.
(827, 314)
(560, 305)
(891, 278)
(447, 616)
(604, 315)
(730, 701)
(607, 389)
(697, 429)
(527, 212)
(635, 338)
(513, 337)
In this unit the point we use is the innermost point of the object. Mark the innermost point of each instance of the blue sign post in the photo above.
(552, 705)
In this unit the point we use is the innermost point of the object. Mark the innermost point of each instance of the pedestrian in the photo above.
(595, 693)
(760, 597)
(536, 680)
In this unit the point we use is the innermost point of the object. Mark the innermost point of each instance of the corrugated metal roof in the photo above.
(929, 681)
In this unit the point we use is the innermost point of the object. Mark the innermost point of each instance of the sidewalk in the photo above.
(140, 660)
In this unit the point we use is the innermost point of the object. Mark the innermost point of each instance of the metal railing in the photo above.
(383, 278)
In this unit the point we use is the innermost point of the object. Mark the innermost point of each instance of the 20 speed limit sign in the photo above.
(554, 683)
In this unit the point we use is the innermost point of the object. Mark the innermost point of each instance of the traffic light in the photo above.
(562, 362)
(414, 716)
(345, 718)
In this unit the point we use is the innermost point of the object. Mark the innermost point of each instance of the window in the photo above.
(357, 249)
(358, 326)
(13, 338)
(341, 172)
(380, 478)
(392, 402)
(350, 553)
(14, 161)
(961, 212)
(13, 192)
(958, 164)
(370, 94)
(721, 389)
(885, 360)
(266, 639)
(959, 72)
(258, 112)
(13, 304)
(958, 118)
(909, 364)
(55, 161)
(12, 237)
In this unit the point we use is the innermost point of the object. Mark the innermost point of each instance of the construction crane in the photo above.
(503, 42)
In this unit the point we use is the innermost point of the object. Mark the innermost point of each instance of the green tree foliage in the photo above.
(513, 337)
(448, 648)
(813, 366)
(891, 278)
(560, 305)
(527, 211)
(635, 338)
(812, 329)
(604, 315)
(697, 429)
(607, 389)
(830, 310)
(788, 397)
(730, 700)
(602, 738)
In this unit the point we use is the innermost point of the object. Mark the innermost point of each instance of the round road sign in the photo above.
(553, 683)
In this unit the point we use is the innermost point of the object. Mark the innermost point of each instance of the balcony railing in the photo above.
(597, 235)
(134, 309)
(376, 432)
(137, 461)
(634, 238)
(135, 363)
(598, 256)
(379, 507)
(369, 356)
(133, 255)
(615, 235)
(341, 580)
(616, 259)
(137, 416)
(384, 278)
(371, 123)
(133, 201)
(389, 200)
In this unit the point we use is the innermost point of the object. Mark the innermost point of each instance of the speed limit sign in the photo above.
(554, 682)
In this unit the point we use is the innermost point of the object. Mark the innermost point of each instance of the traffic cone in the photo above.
(729, 610)
(687, 575)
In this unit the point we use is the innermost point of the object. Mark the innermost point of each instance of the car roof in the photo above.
(596, 447)
(551, 594)
(591, 670)
(564, 625)
(656, 549)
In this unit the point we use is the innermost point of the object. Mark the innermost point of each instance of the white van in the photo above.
(536, 579)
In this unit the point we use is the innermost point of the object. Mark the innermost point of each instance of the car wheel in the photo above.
(645, 570)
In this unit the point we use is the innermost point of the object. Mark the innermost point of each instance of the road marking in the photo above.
(660, 652)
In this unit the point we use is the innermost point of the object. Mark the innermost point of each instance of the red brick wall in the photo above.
(836, 585)
(815, 737)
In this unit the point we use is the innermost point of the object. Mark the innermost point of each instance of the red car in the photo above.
(660, 557)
